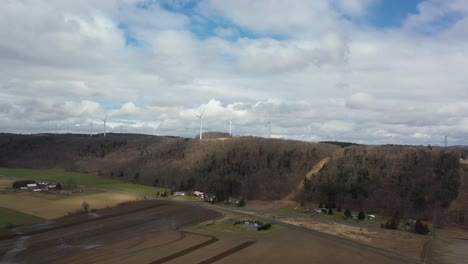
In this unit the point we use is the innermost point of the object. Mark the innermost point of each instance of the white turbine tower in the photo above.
(269, 128)
(91, 129)
(201, 123)
(230, 126)
(105, 121)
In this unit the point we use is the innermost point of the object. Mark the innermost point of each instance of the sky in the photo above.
(366, 71)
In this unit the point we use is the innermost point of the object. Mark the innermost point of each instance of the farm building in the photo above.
(199, 194)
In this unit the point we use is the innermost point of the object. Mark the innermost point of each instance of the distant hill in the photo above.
(254, 168)
(415, 181)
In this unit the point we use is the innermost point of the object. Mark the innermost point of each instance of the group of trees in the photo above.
(417, 226)
(410, 178)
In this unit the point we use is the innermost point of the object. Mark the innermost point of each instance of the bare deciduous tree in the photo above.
(85, 206)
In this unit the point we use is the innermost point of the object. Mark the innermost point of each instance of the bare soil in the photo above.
(291, 246)
(139, 230)
(150, 232)
(405, 244)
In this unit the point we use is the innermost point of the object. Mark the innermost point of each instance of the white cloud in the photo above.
(302, 65)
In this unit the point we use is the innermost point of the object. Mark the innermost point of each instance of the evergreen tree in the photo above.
(420, 228)
(361, 215)
(347, 213)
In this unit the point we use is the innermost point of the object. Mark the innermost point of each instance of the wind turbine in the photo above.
(201, 123)
(105, 121)
(230, 126)
(269, 128)
(91, 129)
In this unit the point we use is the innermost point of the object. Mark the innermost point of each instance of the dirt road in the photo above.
(300, 186)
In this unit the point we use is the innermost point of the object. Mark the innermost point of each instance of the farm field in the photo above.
(142, 233)
(137, 232)
(10, 217)
(5, 183)
(88, 180)
(41, 205)
(400, 243)
(131, 188)
(99, 193)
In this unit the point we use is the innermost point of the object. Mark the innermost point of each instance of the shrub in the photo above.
(339, 209)
(264, 227)
(420, 228)
(330, 211)
(347, 213)
(393, 222)
(241, 203)
(320, 205)
(361, 215)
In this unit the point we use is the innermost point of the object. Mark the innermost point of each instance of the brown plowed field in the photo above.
(150, 232)
(153, 233)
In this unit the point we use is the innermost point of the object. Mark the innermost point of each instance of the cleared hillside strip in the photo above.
(300, 186)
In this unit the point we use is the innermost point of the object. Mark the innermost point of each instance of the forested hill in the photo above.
(384, 179)
(409, 180)
(254, 168)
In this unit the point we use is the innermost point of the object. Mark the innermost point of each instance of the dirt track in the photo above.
(317, 167)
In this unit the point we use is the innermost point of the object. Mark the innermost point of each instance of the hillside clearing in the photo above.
(300, 186)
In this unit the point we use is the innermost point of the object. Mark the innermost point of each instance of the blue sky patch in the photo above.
(392, 13)
(130, 40)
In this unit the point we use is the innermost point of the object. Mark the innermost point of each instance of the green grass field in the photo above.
(54, 175)
(133, 188)
(88, 180)
(9, 217)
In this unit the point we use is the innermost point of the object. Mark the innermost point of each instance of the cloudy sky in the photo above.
(368, 71)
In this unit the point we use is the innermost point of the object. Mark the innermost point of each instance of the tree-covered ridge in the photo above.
(388, 178)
